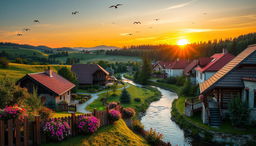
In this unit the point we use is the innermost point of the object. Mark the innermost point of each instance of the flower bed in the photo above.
(12, 112)
(114, 115)
(88, 124)
(56, 130)
(128, 113)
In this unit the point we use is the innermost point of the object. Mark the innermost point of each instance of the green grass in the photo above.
(16, 71)
(144, 94)
(195, 120)
(166, 86)
(117, 134)
(85, 58)
(23, 52)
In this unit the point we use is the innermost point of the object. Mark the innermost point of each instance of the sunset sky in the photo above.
(97, 24)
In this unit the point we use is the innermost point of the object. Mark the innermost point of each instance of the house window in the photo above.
(247, 96)
(201, 76)
(60, 97)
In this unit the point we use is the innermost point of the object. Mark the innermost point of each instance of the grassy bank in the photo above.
(117, 134)
(146, 95)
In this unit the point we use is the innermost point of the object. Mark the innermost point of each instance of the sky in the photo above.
(97, 24)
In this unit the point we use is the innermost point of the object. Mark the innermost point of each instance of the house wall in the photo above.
(49, 99)
(201, 77)
(252, 87)
(64, 97)
(176, 72)
(168, 72)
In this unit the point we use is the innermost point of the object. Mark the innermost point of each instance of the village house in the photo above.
(190, 71)
(235, 79)
(177, 68)
(90, 74)
(161, 69)
(50, 87)
(218, 60)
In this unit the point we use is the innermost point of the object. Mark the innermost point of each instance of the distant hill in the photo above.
(102, 47)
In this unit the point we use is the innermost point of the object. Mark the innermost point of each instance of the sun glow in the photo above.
(182, 42)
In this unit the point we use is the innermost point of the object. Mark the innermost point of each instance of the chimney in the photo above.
(224, 51)
(49, 72)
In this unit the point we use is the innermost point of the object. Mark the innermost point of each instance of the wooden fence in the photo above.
(24, 132)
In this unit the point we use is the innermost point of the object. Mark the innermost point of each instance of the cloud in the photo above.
(124, 34)
(180, 5)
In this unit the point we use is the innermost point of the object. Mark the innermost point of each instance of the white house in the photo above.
(218, 60)
(177, 68)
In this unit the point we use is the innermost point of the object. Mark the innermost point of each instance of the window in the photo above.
(247, 96)
(60, 97)
(254, 99)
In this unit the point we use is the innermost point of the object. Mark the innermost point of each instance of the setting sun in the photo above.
(182, 42)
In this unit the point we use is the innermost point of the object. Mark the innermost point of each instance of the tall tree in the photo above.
(125, 97)
(69, 75)
(146, 71)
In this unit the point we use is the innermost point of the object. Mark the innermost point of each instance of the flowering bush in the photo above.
(45, 113)
(128, 113)
(88, 124)
(112, 105)
(114, 115)
(12, 112)
(56, 130)
(153, 137)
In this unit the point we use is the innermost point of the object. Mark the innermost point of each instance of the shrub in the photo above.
(45, 113)
(125, 97)
(12, 112)
(239, 112)
(56, 130)
(138, 127)
(88, 124)
(153, 137)
(114, 115)
(4, 62)
(112, 105)
(128, 113)
(63, 102)
(137, 99)
(171, 80)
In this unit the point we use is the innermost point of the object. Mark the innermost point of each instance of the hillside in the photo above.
(23, 52)
(16, 71)
(117, 134)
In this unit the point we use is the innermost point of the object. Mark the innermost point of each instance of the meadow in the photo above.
(23, 52)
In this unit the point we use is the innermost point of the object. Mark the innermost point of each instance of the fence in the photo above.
(25, 132)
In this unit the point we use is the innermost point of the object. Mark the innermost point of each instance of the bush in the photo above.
(45, 113)
(4, 62)
(239, 112)
(171, 80)
(138, 127)
(112, 105)
(137, 99)
(128, 113)
(125, 97)
(12, 112)
(56, 130)
(88, 124)
(114, 115)
(154, 138)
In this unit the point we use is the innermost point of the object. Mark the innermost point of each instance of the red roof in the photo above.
(218, 61)
(180, 64)
(165, 64)
(56, 83)
(203, 61)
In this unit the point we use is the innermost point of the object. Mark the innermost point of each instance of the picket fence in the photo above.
(15, 132)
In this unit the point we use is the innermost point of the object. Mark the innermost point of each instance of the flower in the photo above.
(114, 115)
(128, 113)
(12, 112)
(88, 124)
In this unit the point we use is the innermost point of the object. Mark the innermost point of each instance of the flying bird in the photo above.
(26, 29)
(137, 22)
(115, 6)
(129, 34)
(205, 13)
(36, 21)
(75, 12)
(19, 34)
(156, 19)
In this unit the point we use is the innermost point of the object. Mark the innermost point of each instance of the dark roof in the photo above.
(164, 64)
(217, 77)
(217, 62)
(56, 83)
(84, 72)
(179, 64)
(190, 67)
(202, 61)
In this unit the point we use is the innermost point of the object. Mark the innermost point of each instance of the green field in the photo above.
(135, 92)
(85, 58)
(22, 52)
(16, 71)
(116, 134)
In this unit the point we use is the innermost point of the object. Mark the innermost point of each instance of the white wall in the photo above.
(65, 97)
(168, 72)
(176, 72)
(201, 77)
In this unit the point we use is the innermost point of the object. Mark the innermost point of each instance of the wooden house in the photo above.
(90, 74)
(50, 87)
(235, 79)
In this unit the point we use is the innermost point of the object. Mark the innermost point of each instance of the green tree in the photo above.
(4, 62)
(69, 75)
(146, 71)
(239, 112)
(34, 102)
(114, 87)
(187, 88)
(125, 97)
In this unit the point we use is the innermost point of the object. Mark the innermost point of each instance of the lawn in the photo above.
(85, 58)
(195, 120)
(22, 52)
(117, 134)
(16, 71)
(145, 94)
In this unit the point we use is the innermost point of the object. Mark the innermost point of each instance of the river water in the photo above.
(158, 117)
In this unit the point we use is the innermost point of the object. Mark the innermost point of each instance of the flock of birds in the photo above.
(77, 12)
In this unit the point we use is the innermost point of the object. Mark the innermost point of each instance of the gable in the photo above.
(251, 59)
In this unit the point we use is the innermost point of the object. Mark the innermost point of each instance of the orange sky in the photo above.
(96, 24)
